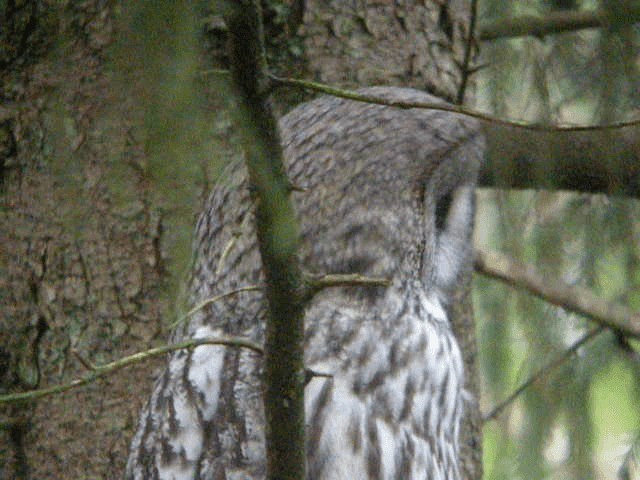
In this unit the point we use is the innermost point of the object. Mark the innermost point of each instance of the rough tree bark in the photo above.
(82, 268)
(79, 269)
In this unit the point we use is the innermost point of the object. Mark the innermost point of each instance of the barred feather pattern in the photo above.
(386, 192)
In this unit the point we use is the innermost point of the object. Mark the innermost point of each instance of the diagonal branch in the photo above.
(109, 368)
(445, 107)
(314, 283)
(575, 299)
(217, 298)
(545, 370)
(441, 106)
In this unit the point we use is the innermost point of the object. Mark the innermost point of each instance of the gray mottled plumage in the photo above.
(388, 192)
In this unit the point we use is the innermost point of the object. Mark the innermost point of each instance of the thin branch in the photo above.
(217, 298)
(545, 370)
(100, 371)
(311, 374)
(323, 281)
(570, 156)
(227, 250)
(554, 22)
(231, 244)
(485, 117)
(215, 71)
(468, 49)
(575, 299)
(83, 361)
(445, 107)
(316, 283)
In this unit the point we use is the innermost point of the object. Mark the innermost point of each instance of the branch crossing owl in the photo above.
(386, 192)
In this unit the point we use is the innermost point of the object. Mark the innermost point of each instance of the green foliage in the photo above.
(184, 150)
(186, 145)
(566, 425)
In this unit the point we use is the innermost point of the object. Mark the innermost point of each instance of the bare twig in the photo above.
(571, 156)
(311, 374)
(315, 283)
(575, 299)
(318, 282)
(297, 188)
(100, 371)
(215, 71)
(445, 107)
(543, 372)
(553, 23)
(83, 361)
(465, 68)
(232, 243)
(217, 298)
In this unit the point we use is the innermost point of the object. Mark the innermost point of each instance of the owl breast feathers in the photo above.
(385, 192)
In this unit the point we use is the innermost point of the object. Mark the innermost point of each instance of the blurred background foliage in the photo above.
(186, 140)
(581, 421)
(171, 55)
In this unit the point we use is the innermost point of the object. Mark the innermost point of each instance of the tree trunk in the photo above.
(81, 268)
(82, 245)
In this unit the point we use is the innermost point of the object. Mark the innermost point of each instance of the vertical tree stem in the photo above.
(277, 233)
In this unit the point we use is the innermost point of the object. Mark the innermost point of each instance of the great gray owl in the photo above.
(387, 193)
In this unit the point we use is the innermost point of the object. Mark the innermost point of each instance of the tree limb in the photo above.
(605, 161)
(575, 299)
(100, 371)
(278, 239)
(554, 23)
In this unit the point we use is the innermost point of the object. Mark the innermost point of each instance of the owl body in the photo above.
(385, 192)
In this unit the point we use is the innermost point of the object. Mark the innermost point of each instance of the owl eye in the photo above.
(454, 222)
(443, 206)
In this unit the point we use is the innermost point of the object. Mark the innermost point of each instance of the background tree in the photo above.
(110, 135)
(587, 76)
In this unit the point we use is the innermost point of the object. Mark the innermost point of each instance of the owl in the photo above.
(386, 192)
